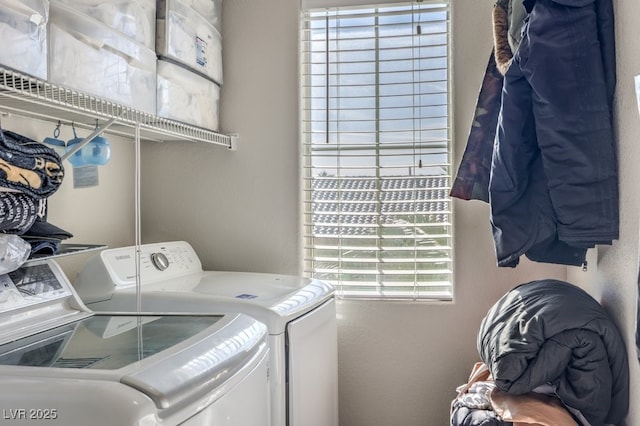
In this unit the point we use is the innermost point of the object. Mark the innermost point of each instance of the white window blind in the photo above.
(377, 148)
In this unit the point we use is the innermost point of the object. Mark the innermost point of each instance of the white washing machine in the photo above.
(61, 364)
(299, 313)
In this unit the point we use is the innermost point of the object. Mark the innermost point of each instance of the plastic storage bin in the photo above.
(186, 96)
(87, 56)
(135, 19)
(23, 32)
(211, 10)
(185, 36)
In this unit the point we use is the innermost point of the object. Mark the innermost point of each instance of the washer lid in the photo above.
(205, 365)
(172, 359)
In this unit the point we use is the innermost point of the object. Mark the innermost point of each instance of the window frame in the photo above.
(419, 293)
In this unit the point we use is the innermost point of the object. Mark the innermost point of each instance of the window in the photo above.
(377, 150)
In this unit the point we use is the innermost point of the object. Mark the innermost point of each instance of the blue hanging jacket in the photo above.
(553, 189)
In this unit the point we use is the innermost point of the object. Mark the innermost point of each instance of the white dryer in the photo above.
(61, 364)
(300, 315)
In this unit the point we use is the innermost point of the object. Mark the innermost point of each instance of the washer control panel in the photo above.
(157, 262)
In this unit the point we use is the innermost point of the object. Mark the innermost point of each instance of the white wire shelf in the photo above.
(31, 97)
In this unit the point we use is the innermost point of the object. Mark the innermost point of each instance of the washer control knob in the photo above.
(160, 261)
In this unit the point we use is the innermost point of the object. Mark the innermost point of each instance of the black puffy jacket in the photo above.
(550, 332)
